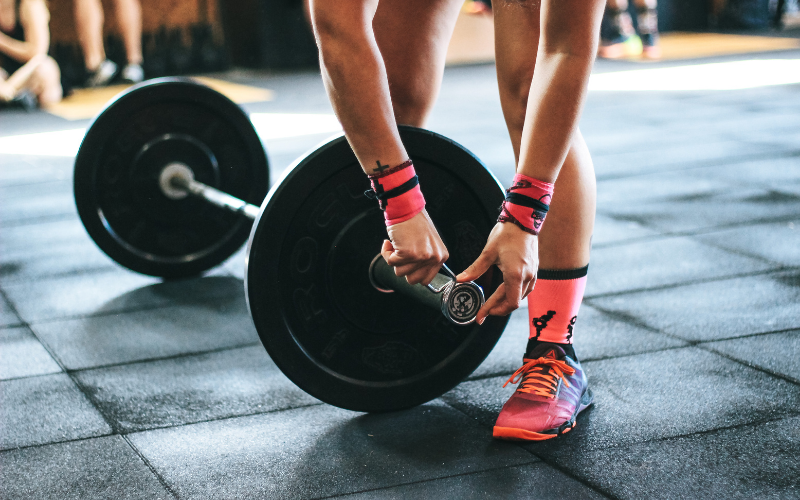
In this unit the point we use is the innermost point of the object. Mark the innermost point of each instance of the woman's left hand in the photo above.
(516, 253)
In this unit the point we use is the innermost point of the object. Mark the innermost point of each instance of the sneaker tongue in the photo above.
(546, 350)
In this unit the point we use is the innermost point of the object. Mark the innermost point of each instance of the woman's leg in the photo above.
(647, 24)
(565, 240)
(535, 411)
(413, 36)
(617, 36)
(129, 20)
(89, 25)
(45, 82)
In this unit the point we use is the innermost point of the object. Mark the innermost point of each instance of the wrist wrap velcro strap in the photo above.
(398, 193)
(526, 204)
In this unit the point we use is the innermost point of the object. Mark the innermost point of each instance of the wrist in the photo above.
(527, 203)
(398, 193)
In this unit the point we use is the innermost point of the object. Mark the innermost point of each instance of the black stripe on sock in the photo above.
(562, 274)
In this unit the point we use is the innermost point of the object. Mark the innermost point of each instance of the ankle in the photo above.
(569, 350)
(647, 21)
(554, 303)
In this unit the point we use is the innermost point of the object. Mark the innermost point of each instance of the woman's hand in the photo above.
(516, 253)
(415, 251)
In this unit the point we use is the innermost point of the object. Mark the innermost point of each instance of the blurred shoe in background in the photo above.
(477, 7)
(102, 75)
(132, 73)
(647, 25)
(617, 37)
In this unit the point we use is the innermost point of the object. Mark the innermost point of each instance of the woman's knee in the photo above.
(334, 23)
(48, 80)
(515, 87)
(411, 101)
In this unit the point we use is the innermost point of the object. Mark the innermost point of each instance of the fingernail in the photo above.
(480, 321)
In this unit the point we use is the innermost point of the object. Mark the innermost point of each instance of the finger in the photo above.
(528, 289)
(504, 308)
(476, 270)
(512, 291)
(496, 297)
(387, 249)
(531, 286)
(396, 259)
(406, 269)
(432, 272)
(417, 277)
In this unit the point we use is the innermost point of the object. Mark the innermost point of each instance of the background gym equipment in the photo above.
(167, 180)
(121, 160)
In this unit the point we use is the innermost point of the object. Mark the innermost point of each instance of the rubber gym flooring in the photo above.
(116, 385)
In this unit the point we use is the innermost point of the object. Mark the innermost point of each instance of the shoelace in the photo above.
(542, 382)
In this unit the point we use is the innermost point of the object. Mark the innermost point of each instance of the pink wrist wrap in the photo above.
(398, 193)
(526, 204)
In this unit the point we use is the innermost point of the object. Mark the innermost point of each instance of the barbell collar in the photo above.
(458, 302)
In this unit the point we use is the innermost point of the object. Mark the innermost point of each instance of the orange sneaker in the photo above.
(552, 391)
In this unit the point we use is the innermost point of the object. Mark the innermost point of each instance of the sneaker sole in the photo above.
(514, 434)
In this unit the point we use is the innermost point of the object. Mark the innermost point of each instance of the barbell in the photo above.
(171, 179)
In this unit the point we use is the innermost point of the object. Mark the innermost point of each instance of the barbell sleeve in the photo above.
(458, 302)
(215, 196)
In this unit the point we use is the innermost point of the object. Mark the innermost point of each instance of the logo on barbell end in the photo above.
(464, 303)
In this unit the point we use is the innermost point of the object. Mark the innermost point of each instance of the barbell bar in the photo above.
(459, 302)
(177, 181)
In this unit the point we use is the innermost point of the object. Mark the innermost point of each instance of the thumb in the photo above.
(476, 270)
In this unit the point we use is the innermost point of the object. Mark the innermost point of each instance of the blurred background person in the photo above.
(478, 7)
(618, 37)
(25, 68)
(89, 25)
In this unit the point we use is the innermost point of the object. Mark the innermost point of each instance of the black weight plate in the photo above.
(117, 171)
(308, 287)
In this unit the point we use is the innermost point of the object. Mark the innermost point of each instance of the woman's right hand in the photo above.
(415, 249)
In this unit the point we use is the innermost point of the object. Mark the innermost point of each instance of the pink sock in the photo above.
(554, 303)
